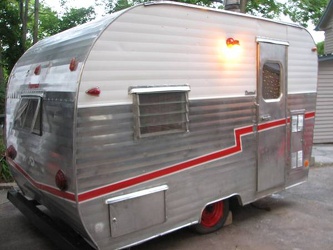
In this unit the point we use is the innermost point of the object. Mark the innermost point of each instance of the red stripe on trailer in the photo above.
(92, 194)
(50, 189)
(309, 115)
(272, 124)
(170, 170)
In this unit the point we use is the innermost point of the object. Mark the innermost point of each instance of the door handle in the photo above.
(265, 117)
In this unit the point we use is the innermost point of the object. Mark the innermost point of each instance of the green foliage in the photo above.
(74, 17)
(10, 32)
(305, 11)
(301, 11)
(320, 48)
(117, 5)
(264, 8)
(5, 175)
(50, 23)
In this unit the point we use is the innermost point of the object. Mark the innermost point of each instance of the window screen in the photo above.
(160, 113)
(271, 87)
(28, 115)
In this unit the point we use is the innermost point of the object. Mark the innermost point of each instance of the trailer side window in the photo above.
(271, 87)
(160, 113)
(28, 115)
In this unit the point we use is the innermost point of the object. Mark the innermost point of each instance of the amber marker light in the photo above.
(306, 163)
(230, 52)
(231, 42)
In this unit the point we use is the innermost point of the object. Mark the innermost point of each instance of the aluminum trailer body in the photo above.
(128, 127)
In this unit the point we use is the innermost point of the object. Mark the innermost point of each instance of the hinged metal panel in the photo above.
(137, 211)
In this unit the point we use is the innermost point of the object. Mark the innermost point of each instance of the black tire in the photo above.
(213, 217)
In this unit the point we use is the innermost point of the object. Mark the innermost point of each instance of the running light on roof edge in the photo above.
(94, 91)
(231, 42)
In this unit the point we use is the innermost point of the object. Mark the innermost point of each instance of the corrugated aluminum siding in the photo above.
(171, 44)
(107, 153)
(323, 132)
(328, 44)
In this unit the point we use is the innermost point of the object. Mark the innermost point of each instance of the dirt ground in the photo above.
(300, 218)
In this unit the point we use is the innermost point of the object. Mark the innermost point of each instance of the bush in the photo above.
(5, 175)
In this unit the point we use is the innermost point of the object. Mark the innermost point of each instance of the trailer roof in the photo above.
(221, 11)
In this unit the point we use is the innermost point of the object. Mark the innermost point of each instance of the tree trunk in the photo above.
(243, 6)
(36, 19)
(2, 77)
(24, 19)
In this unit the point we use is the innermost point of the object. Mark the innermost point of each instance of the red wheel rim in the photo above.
(212, 214)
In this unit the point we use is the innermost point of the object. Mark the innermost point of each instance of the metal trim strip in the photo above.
(136, 194)
(269, 40)
(158, 89)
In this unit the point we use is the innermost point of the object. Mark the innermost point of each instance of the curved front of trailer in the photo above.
(40, 117)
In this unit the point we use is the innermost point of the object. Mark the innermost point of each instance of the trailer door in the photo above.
(271, 114)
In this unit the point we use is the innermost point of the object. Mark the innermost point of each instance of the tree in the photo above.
(305, 11)
(24, 8)
(117, 5)
(73, 17)
(22, 23)
(320, 48)
(301, 11)
(36, 19)
(264, 8)
(10, 35)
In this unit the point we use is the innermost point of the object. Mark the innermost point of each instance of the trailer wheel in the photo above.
(213, 217)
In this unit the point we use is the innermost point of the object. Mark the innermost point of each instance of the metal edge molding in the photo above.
(136, 194)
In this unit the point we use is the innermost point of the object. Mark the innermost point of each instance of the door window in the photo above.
(271, 86)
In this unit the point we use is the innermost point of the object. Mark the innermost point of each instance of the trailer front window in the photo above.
(160, 113)
(28, 115)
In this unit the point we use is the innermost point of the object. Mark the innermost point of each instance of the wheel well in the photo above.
(235, 201)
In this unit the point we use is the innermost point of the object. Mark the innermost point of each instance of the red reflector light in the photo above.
(73, 64)
(61, 180)
(33, 85)
(37, 70)
(11, 152)
(94, 91)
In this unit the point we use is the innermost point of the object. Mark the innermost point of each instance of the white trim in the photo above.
(158, 89)
(269, 40)
(136, 194)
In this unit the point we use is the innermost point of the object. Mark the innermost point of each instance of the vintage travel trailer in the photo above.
(150, 119)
